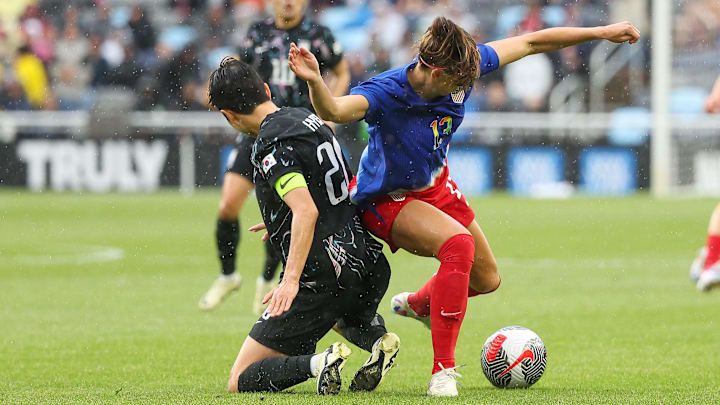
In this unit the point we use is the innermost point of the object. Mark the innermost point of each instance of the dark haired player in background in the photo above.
(266, 49)
(335, 272)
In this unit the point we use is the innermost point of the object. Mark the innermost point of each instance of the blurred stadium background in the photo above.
(115, 80)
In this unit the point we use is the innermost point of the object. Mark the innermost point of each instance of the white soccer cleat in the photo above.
(262, 287)
(399, 305)
(709, 278)
(696, 268)
(444, 382)
(329, 368)
(220, 289)
(382, 358)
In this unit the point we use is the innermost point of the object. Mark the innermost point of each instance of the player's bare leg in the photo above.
(441, 236)
(484, 277)
(235, 190)
(709, 276)
(260, 368)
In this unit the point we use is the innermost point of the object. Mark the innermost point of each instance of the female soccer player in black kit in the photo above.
(335, 272)
(266, 49)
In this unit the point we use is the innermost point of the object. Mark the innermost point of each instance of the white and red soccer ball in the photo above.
(514, 357)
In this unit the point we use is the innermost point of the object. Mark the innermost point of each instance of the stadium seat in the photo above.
(687, 100)
(508, 18)
(629, 126)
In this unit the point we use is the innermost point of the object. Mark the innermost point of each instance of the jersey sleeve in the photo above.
(277, 159)
(329, 51)
(489, 60)
(374, 92)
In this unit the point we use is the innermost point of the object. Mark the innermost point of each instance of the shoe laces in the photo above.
(451, 372)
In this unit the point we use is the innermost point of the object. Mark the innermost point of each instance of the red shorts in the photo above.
(444, 195)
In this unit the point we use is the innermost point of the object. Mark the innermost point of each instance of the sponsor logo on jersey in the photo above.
(268, 162)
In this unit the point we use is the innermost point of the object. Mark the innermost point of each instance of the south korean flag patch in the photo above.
(268, 162)
(458, 96)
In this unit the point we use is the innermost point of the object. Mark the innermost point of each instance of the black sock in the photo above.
(271, 263)
(362, 334)
(275, 373)
(228, 236)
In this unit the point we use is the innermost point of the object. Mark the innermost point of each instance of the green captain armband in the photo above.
(288, 182)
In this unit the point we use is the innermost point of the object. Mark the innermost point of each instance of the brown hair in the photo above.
(451, 48)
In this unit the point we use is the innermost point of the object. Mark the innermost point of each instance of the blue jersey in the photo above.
(409, 137)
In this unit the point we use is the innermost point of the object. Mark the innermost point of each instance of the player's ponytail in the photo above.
(446, 45)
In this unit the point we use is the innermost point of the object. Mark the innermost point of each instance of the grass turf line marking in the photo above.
(89, 254)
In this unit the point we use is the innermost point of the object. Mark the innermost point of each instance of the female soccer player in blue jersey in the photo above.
(403, 185)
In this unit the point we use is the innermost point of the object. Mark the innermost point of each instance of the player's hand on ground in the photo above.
(259, 227)
(712, 105)
(281, 297)
(621, 32)
(303, 63)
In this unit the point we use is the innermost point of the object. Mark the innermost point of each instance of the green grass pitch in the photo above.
(98, 303)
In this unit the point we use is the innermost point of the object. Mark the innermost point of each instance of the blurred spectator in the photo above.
(31, 75)
(12, 95)
(698, 24)
(144, 37)
(161, 51)
(173, 75)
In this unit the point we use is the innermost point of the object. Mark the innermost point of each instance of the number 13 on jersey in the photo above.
(447, 122)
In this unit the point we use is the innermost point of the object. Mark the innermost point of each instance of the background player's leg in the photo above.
(266, 281)
(441, 236)
(713, 241)
(709, 277)
(235, 191)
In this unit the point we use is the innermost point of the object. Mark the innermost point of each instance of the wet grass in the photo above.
(99, 303)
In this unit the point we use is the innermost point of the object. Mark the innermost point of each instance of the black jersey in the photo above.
(294, 140)
(266, 49)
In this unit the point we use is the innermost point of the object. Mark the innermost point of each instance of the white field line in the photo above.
(88, 254)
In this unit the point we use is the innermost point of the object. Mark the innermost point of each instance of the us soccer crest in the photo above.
(458, 96)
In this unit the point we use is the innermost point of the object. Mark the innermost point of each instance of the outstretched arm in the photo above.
(512, 49)
(712, 104)
(336, 109)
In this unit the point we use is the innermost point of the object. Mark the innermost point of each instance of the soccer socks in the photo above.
(271, 263)
(420, 301)
(449, 297)
(275, 374)
(228, 236)
(713, 251)
(363, 334)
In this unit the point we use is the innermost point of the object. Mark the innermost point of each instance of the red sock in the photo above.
(449, 299)
(420, 301)
(713, 247)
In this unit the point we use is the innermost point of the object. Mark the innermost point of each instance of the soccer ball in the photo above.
(514, 357)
